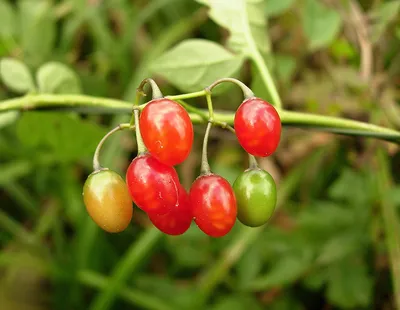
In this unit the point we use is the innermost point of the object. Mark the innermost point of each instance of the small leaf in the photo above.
(38, 30)
(57, 78)
(382, 16)
(7, 118)
(245, 21)
(320, 24)
(349, 284)
(16, 75)
(196, 63)
(7, 20)
(277, 7)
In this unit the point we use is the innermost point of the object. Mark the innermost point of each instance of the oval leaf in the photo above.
(7, 20)
(16, 75)
(57, 78)
(196, 63)
(320, 24)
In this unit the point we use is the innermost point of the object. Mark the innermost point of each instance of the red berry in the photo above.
(213, 204)
(258, 127)
(176, 221)
(167, 131)
(153, 186)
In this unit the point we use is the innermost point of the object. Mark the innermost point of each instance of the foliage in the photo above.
(332, 243)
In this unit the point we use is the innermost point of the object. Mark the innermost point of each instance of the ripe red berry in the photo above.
(153, 186)
(107, 200)
(176, 221)
(258, 127)
(167, 131)
(213, 204)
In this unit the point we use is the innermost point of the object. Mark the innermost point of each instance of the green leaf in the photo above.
(13, 171)
(7, 118)
(245, 21)
(7, 20)
(277, 7)
(349, 284)
(65, 136)
(57, 78)
(16, 75)
(284, 272)
(237, 302)
(195, 64)
(381, 17)
(350, 179)
(320, 24)
(38, 30)
(249, 265)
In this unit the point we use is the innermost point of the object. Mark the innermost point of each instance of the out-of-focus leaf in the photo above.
(349, 284)
(7, 20)
(67, 137)
(196, 63)
(316, 278)
(57, 78)
(38, 30)
(382, 16)
(237, 302)
(320, 24)
(285, 302)
(245, 21)
(394, 196)
(283, 272)
(350, 179)
(7, 118)
(277, 7)
(15, 75)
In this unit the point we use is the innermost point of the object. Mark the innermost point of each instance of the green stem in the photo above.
(252, 162)
(194, 110)
(210, 107)
(155, 90)
(288, 118)
(96, 161)
(188, 95)
(247, 92)
(139, 140)
(205, 167)
(133, 296)
(125, 268)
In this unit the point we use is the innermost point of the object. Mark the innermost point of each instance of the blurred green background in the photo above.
(332, 244)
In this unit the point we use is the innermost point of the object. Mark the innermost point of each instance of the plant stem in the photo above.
(139, 140)
(205, 167)
(252, 162)
(194, 110)
(155, 90)
(288, 118)
(96, 161)
(188, 95)
(247, 92)
(210, 107)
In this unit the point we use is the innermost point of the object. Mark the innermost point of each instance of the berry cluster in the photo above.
(152, 182)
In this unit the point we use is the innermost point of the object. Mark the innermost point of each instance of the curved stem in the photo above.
(91, 104)
(188, 95)
(96, 156)
(205, 167)
(155, 90)
(252, 162)
(140, 144)
(210, 107)
(247, 92)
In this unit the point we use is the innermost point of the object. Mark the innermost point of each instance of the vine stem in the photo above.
(247, 92)
(96, 156)
(100, 105)
(205, 166)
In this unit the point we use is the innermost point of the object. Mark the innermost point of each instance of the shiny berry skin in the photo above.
(258, 127)
(213, 204)
(255, 193)
(153, 186)
(176, 221)
(107, 200)
(167, 131)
